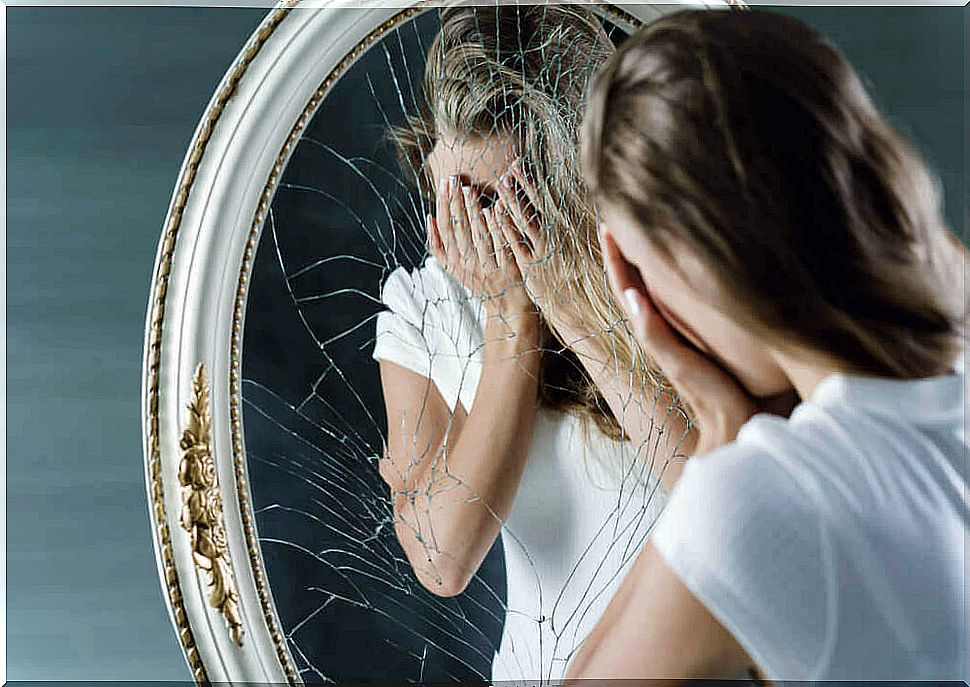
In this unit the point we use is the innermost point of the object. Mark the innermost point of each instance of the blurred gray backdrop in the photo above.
(101, 105)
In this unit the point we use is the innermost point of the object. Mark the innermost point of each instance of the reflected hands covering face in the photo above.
(470, 232)
(507, 198)
(726, 373)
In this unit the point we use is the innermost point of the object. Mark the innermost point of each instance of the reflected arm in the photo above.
(655, 431)
(453, 477)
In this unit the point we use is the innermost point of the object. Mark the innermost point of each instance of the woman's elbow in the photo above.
(436, 571)
(444, 579)
(445, 586)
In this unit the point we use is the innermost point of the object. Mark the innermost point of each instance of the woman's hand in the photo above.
(467, 241)
(720, 405)
(518, 218)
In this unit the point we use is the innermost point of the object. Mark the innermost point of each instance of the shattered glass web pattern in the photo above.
(344, 218)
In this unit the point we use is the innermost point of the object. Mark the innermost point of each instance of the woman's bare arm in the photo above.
(655, 628)
(658, 432)
(453, 478)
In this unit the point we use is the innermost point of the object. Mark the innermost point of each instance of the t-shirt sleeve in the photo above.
(431, 327)
(400, 336)
(746, 538)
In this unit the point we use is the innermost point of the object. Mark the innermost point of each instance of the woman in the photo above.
(766, 228)
(489, 420)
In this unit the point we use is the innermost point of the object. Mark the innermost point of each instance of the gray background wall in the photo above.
(101, 104)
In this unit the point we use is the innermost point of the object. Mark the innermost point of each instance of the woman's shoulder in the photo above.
(425, 288)
(748, 465)
(831, 464)
(854, 430)
(427, 281)
(750, 540)
(775, 517)
(432, 325)
(755, 489)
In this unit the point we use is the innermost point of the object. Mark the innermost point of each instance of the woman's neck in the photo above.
(804, 374)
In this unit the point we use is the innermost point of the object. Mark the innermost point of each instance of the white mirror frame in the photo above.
(205, 538)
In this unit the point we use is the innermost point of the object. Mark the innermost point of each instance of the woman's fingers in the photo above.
(620, 273)
(700, 380)
(662, 343)
(531, 203)
(510, 233)
(499, 249)
(478, 233)
(514, 209)
(443, 222)
(648, 325)
(529, 207)
(459, 221)
(517, 245)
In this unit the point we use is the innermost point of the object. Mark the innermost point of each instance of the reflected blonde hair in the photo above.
(523, 71)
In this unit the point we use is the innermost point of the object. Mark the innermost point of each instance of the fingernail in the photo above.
(632, 299)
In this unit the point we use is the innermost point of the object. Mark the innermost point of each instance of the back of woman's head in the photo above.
(747, 140)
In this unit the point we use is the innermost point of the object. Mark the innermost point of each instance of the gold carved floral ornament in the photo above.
(202, 515)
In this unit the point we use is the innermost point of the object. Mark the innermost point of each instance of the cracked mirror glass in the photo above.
(393, 556)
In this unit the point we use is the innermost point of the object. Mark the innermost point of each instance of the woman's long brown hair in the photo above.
(746, 139)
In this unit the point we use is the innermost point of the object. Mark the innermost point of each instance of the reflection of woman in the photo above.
(486, 425)
(756, 202)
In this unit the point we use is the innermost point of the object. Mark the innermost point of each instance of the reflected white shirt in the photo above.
(582, 511)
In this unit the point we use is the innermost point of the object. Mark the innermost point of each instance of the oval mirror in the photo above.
(297, 225)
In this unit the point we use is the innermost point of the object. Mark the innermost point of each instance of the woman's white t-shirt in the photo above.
(832, 545)
(583, 509)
